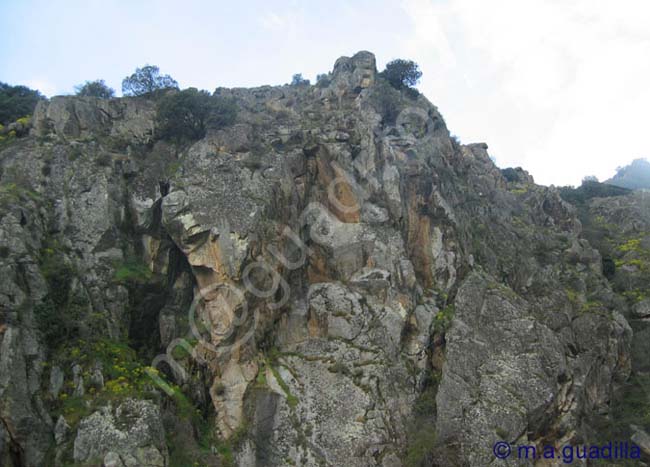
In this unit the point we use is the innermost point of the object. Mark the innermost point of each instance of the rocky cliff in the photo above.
(332, 280)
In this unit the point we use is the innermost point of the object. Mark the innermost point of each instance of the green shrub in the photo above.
(386, 101)
(223, 112)
(323, 80)
(443, 319)
(73, 408)
(589, 190)
(97, 88)
(25, 121)
(186, 115)
(133, 271)
(58, 314)
(298, 80)
(124, 376)
(510, 174)
(402, 74)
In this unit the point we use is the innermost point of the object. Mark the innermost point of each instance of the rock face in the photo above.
(329, 281)
(132, 434)
(506, 376)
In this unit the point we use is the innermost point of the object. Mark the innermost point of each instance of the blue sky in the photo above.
(559, 87)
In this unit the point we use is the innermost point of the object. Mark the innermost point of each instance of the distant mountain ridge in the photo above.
(634, 176)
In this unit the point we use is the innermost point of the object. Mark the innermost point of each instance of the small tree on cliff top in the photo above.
(187, 114)
(97, 88)
(146, 80)
(402, 73)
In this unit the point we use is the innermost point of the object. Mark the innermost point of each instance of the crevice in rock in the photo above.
(164, 186)
(15, 453)
(148, 299)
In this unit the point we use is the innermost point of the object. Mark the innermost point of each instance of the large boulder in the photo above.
(132, 431)
(130, 120)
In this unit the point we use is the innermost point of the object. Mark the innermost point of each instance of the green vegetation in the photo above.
(519, 191)
(271, 362)
(596, 307)
(298, 80)
(632, 405)
(632, 253)
(10, 136)
(637, 263)
(124, 376)
(147, 80)
(583, 305)
(625, 253)
(510, 174)
(20, 129)
(24, 120)
(180, 352)
(635, 295)
(589, 190)
(16, 102)
(132, 271)
(292, 400)
(178, 454)
(386, 101)
(58, 314)
(402, 74)
(227, 448)
(97, 88)
(420, 446)
(186, 115)
(421, 429)
(573, 296)
(207, 442)
(12, 192)
(322, 80)
(630, 245)
(442, 320)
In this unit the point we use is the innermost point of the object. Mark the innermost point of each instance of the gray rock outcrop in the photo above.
(332, 280)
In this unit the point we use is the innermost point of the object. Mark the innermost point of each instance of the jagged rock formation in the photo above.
(350, 286)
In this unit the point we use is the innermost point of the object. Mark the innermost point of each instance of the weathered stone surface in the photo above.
(641, 439)
(61, 430)
(133, 430)
(56, 381)
(353, 74)
(501, 368)
(131, 119)
(331, 270)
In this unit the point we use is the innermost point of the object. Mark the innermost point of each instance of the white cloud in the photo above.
(273, 21)
(286, 23)
(559, 86)
(42, 85)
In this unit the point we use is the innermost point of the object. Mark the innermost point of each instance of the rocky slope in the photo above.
(332, 280)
